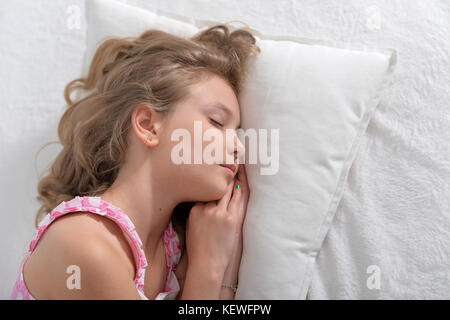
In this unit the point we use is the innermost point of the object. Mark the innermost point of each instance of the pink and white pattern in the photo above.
(99, 206)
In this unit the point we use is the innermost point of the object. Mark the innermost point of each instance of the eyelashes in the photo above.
(216, 123)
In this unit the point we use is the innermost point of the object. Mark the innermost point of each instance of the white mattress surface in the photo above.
(395, 211)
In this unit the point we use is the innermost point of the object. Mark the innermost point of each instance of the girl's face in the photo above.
(203, 182)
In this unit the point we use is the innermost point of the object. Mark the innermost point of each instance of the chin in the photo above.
(217, 189)
(215, 184)
(208, 183)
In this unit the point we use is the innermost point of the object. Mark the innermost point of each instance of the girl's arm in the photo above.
(203, 282)
(226, 294)
(180, 272)
(77, 241)
(104, 275)
(231, 273)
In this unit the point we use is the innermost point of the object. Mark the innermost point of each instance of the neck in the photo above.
(148, 205)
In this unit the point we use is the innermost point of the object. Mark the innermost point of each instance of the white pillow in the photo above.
(321, 97)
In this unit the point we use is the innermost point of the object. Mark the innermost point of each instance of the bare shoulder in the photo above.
(83, 245)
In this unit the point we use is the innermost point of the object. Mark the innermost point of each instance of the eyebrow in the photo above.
(223, 107)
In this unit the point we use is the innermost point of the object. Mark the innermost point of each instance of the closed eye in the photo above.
(217, 123)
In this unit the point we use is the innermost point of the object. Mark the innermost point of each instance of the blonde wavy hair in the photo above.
(157, 68)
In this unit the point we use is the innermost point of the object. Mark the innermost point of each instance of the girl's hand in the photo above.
(213, 229)
(231, 273)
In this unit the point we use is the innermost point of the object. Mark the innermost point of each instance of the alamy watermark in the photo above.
(74, 280)
(258, 147)
(73, 21)
(373, 281)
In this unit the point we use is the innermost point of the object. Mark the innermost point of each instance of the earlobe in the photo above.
(144, 122)
(152, 140)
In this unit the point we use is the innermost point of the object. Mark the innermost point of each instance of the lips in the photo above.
(232, 167)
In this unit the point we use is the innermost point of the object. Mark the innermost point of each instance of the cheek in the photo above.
(209, 141)
(213, 183)
(199, 130)
(215, 146)
(201, 182)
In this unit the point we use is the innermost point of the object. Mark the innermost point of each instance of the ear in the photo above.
(147, 124)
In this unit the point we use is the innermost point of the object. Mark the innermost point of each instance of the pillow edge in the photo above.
(324, 228)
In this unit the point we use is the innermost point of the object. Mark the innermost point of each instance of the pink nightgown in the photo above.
(97, 205)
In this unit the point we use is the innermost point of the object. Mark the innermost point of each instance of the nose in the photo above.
(237, 149)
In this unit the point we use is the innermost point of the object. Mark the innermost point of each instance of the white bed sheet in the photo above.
(395, 211)
(39, 54)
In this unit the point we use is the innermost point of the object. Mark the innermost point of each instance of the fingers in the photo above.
(236, 199)
(242, 179)
(223, 202)
(242, 203)
(233, 198)
(198, 206)
(242, 176)
(210, 204)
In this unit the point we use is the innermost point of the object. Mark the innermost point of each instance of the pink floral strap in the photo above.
(103, 208)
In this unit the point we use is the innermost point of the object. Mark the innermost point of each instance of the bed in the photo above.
(389, 238)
